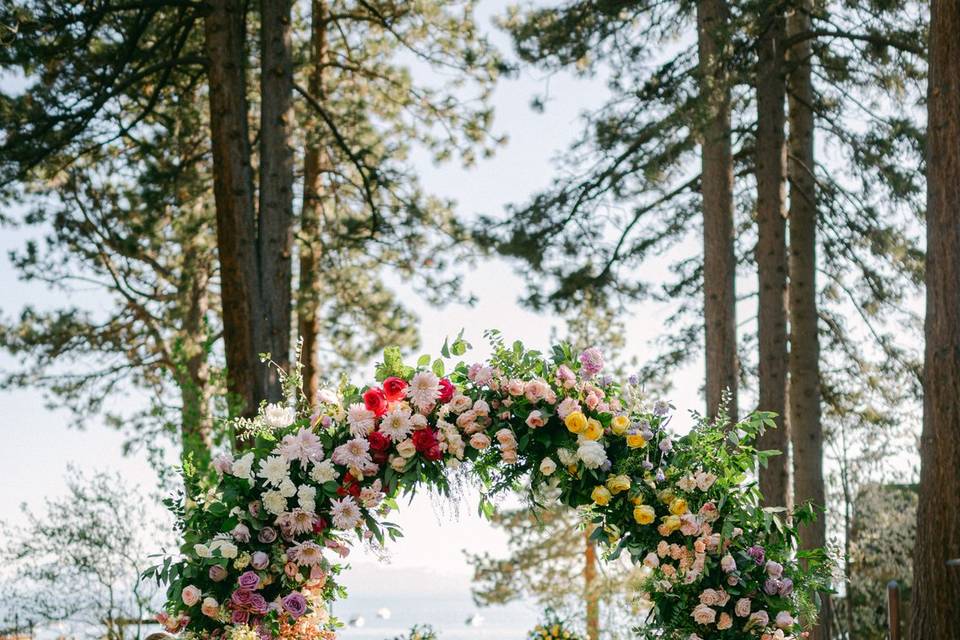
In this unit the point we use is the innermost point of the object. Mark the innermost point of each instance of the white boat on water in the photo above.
(383, 613)
(357, 621)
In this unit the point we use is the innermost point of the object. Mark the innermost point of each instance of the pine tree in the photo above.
(936, 584)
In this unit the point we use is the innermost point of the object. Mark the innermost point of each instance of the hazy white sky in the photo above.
(39, 443)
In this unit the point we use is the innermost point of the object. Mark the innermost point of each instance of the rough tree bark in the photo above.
(804, 399)
(771, 251)
(308, 318)
(193, 375)
(224, 29)
(936, 586)
(275, 220)
(719, 262)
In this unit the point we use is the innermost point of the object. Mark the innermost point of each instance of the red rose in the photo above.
(379, 444)
(319, 525)
(350, 487)
(375, 401)
(393, 388)
(433, 453)
(446, 390)
(424, 440)
(378, 440)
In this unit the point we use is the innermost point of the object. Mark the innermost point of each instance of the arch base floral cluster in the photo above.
(267, 528)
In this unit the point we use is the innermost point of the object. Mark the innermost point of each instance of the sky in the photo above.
(39, 443)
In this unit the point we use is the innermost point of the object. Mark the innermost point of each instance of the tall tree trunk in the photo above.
(771, 251)
(308, 317)
(224, 29)
(590, 586)
(804, 415)
(195, 421)
(936, 586)
(719, 262)
(275, 221)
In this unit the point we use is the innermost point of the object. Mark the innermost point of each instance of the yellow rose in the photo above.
(594, 430)
(644, 514)
(601, 495)
(637, 499)
(576, 422)
(678, 507)
(619, 425)
(636, 441)
(671, 523)
(572, 469)
(616, 484)
(665, 496)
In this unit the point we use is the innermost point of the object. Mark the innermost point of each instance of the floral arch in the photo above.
(266, 529)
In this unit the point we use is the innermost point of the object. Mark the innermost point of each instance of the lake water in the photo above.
(421, 597)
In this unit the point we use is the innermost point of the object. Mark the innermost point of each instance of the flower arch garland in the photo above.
(266, 529)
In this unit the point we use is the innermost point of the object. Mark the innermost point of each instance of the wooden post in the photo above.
(893, 609)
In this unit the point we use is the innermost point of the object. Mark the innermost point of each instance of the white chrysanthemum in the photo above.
(287, 488)
(591, 453)
(353, 453)
(304, 447)
(424, 389)
(307, 554)
(277, 416)
(361, 420)
(396, 424)
(323, 472)
(307, 498)
(345, 513)
(274, 470)
(274, 502)
(243, 467)
(296, 522)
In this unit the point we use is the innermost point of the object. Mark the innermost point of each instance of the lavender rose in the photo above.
(295, 604)
(248, 580)
(757, 553)
(267, 535)
(259, 560)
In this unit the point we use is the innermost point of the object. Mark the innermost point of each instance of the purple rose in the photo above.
(259, 560)
(258, 604)
(757, 553)
(592, 361)
(217, 573)
(771, 587)
(295, 604)
(239, 616)
(786, 587)
(241, 598)
(267, 535)
(248, 580)
(241, 533)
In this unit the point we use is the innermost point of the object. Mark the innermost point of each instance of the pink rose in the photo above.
(217, 573)
(480, 441)
(702, 614)
(709, 598)
(742, 608)
(535, 420)
(190, 595)
(210, 607)
(784, 620)
(566, 377)
(758, 619)
(725, 621)
(568, 406)
(728, 564)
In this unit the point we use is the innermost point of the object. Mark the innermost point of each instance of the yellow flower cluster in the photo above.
(554, 632)
(589, 428)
